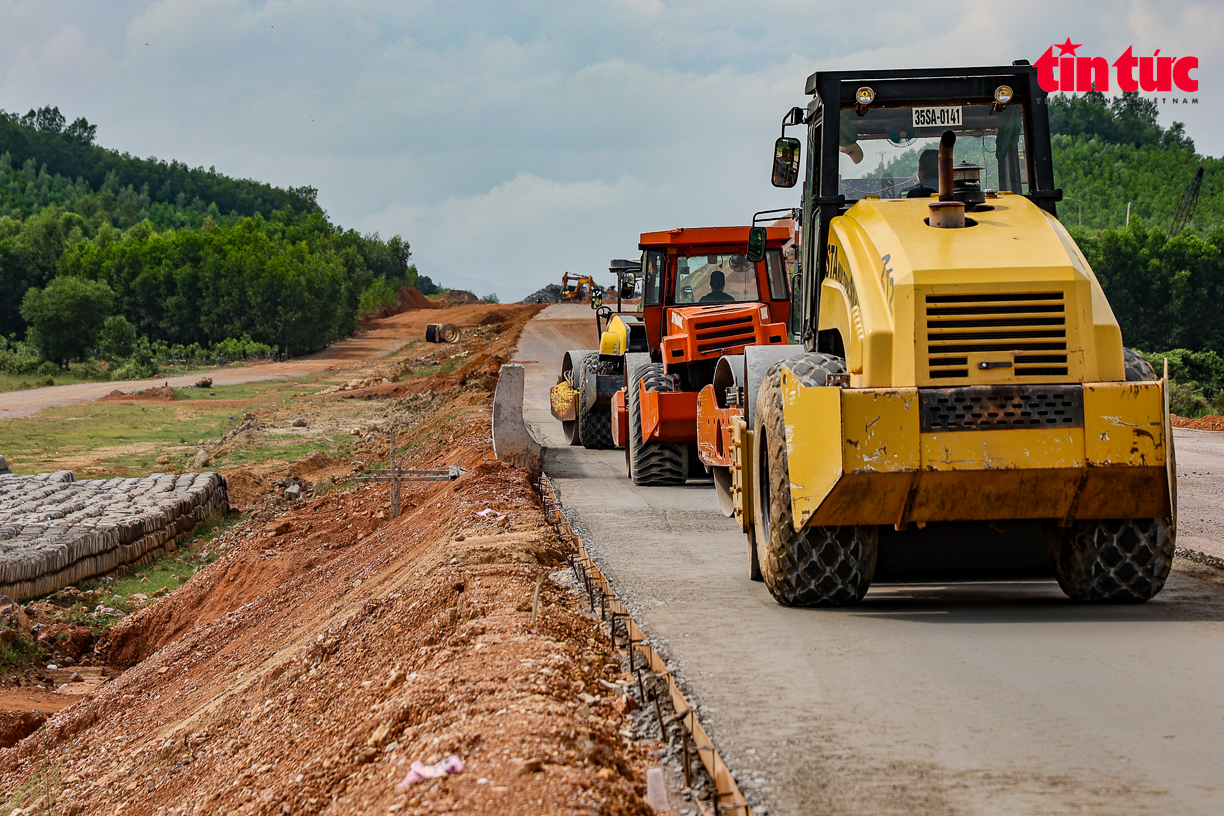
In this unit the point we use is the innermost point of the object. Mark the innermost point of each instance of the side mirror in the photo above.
(628, 285)
(786, 162)
(756, 245)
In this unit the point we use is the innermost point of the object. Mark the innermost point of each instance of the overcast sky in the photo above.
(509, 142)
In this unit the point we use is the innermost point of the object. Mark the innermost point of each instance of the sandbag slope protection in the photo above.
(56, 531)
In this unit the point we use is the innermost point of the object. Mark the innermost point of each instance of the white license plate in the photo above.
(949, 116)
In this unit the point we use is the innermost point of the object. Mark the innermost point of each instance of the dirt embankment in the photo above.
(331, 647)
(1207, 423)
(407, 299)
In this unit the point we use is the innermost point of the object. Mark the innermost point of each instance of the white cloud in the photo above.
(509, 141)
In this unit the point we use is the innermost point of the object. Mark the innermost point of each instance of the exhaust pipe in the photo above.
(946, 143)
(946, 213)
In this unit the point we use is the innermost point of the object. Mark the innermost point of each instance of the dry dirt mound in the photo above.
(17, 725)
(161, 393)
(249, 433)
(328, 650)
(496, 318)
(407, 299)
(549, 294)
(410, 297)
(1207, 423)
(461, 296)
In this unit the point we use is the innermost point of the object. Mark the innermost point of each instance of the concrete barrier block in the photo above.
(512, 439)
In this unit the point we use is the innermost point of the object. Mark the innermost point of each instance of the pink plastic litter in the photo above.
(418, 771)
(489, 512)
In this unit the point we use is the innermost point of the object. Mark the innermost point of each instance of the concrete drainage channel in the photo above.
(56, 531)
(624, 633)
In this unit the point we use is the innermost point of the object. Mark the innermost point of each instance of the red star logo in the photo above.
(1068, 48)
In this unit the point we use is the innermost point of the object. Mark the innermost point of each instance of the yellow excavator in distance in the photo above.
(577, 288)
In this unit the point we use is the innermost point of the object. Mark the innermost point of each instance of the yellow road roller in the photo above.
(960, 364)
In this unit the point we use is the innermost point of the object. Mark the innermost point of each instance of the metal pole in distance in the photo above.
(395, 483)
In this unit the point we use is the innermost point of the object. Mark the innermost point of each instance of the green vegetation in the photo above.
(104, 439)
(195, 261)
(1108, 153)
(17, 653)
(1198, 381)
(66, 318)
(67, 166)
(38, 795)
(427, 287)
(1166, 292)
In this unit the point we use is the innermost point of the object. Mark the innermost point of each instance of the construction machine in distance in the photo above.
(701, 299)
(962, 382)
(581, 288)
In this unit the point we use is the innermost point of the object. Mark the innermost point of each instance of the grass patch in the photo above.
(18, 654)
(39, 795)
(22, 382)
(265, 390)
(121, 440)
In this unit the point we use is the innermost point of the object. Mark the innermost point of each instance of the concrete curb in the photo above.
(512, 439)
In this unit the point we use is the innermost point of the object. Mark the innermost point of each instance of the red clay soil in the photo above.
(407, 299)
(1207, 423)
(329, 648)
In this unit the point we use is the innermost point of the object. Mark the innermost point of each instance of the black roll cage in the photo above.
(835, 91)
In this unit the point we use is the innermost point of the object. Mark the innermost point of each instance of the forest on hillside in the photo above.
(103, 254)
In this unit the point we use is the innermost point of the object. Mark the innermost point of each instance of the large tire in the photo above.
(652, 464)
(1113, 560)
(1138, 369)
(815, 566)
(594, 427)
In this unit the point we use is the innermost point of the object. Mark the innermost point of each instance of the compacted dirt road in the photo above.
(385, 337)
(980, 698)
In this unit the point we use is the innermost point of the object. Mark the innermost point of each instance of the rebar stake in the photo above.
(394, 474)
(684, 738)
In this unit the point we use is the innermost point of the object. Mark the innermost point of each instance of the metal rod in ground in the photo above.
(659, 715)
(535, 601)
(688, 768)
(395, 485)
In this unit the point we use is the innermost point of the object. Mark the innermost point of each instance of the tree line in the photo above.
(67, 150)
(294, 282)
(94, 264)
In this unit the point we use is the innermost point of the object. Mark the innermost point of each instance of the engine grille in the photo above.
(996, 407)
(1033, 326)
(722, 333)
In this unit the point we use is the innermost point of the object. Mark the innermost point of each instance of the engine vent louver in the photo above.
(1032, 326)
(716, 334)
(998, 407)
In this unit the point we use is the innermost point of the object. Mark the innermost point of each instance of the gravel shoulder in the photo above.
(1200, 490)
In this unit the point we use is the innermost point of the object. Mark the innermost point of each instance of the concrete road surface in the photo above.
(987, 698)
